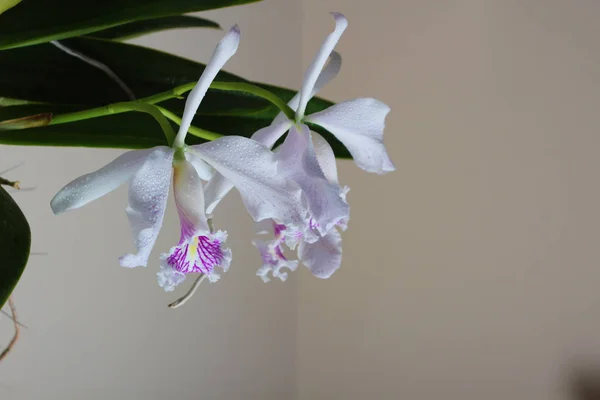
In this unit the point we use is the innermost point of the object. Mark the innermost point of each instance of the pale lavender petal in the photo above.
(218, 187)
(298, 161)
(204, 171)
(148, 193)
(223, 52)
(330, 71)
(324, 256)
(326, 157)
(189, 198)
(273, 260)
(168, 278)
(312, 74)
(252, 169)
(268, 135)
(359, 125)
(94, 185)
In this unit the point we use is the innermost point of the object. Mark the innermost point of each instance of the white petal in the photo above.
(359, 124)
(189, 197)
(148, 193)
(323, 257)
(273, 260)
(298, 161)
(218, 187)
(268, 135)
(94, 185)
(252, 169)
(312, 74)
(330, 71)
(325, 156)
(168, 278)
(204, 171)
(223, 52)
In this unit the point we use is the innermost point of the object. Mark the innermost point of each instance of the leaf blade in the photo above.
(40, 21)
(15, 243)
(140, 28)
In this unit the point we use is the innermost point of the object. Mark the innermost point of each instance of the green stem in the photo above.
(149, 109)
(118, 108)
(174, 93)
(194, 130)
(145, 105)
(256, 91)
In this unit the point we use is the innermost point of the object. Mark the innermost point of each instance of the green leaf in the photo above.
(15, 241)
(45, 74)
(6, 4)
(40, 21)
(139, 28)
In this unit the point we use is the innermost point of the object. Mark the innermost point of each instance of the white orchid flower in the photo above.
(245, 163)
(308, 159)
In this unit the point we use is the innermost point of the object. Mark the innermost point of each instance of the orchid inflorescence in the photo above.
(292, 191)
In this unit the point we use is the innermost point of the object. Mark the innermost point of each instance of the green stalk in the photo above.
(256, 91)
(194, 130)
(149, 109)
(173, 93)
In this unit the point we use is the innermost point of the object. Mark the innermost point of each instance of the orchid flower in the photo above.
(308, 159)
(248, 165)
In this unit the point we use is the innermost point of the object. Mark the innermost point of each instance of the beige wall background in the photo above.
(472, 272)
(469, 273)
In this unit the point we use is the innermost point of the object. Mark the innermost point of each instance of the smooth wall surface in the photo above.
(98, 331)
(469, 273)
(472, 272)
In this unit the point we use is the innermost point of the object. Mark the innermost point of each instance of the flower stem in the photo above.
(170, 94)
(182, 300)
(118, 108)
(146, 105)
(256, 91)
(194, 130)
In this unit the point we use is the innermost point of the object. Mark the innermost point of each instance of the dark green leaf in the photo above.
(139, 28)
(46, 74)
(6, 4)
(15, 240)
(40, 21)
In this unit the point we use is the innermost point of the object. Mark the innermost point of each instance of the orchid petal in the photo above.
(148, 193)
(359, 124)
(330, 71)
(273, 260)
(216, 189)
(94, 185)
(223, 52)
(311, 76)
(268, 135)
(252, 169)
(218, 186)
(298, 161)
(324, 256)
(189, 197)
(204, 171)
(326, 157)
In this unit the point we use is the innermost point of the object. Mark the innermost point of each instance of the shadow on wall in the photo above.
(584, 382)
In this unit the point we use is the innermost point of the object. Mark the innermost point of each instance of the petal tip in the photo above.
(340, 20)
(232, 39)
(55, 207)
(235, 29)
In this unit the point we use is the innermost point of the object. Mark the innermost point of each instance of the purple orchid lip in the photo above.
(198, 254)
